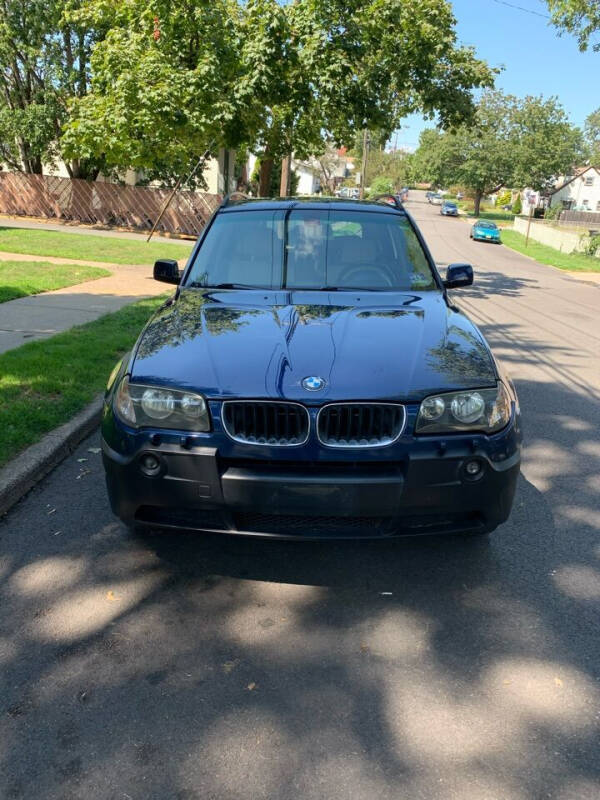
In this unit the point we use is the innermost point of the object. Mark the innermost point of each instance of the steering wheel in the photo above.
(363, 273)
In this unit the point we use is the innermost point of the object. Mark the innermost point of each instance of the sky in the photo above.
(535, 59)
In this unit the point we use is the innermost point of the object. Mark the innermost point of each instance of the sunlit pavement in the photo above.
(183, 666)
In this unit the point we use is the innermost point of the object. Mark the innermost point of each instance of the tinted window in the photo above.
(305, 249)
(241, 248)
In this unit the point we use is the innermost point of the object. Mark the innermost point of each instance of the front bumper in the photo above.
(422, 487)
(480, 237)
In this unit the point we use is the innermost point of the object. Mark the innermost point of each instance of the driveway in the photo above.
(204, 667)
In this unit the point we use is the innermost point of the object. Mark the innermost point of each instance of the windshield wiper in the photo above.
(345, 289)
(228, 286)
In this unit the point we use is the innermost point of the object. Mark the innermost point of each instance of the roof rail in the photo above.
(233, 198)
(386, 198)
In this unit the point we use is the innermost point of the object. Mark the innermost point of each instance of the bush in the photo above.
(552, 212)
(381, 185)
(517, 206)
(592, 245)
(504, 199)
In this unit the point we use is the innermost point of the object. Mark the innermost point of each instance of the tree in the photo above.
(170, 78)
(44, 60)
(524, 142)
(163, 85)
(475, 155)
(544, 144)
(592, 136)
(381, 185)
(367, 65)
(431, 161)
(579, 17)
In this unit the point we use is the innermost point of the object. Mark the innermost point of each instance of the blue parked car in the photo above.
(309, 378)
(485, 231)
(449, 209)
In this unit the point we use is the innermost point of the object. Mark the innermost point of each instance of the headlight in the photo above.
(486, 410)
(154, 406)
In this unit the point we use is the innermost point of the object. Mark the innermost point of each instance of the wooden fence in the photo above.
(585, 219)
(100, 203)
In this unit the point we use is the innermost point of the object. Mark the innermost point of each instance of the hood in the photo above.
(365, 345)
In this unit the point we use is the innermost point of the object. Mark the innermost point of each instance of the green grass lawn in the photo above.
(489, 213)
(44, 383)
(22, 278)
(577, 262)
(88, 247)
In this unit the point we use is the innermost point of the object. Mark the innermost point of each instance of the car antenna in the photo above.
(167, 202)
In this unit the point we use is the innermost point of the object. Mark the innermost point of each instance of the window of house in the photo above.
(585, 203)
(598, 206)
(589, 181)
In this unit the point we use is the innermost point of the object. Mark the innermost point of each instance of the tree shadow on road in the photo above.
(190, 666)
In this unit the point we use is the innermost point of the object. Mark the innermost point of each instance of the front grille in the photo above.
(265, 422)
(308, 527)
(360, 424)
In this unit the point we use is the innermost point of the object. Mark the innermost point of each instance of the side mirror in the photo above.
(166, 270)
(458, 275)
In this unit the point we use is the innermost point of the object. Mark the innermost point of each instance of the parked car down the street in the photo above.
(449, 209)
(436, 199)
(311, 378)
(485, 230)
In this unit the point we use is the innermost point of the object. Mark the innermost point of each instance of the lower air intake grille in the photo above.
(360, 424)
(309, 527)
(265, 422)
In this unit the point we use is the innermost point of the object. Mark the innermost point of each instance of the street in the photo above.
(210, 668)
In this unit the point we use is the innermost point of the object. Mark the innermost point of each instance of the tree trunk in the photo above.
(286, 175)
(266, 168)
(478, 196)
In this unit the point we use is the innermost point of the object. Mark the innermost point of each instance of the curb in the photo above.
(25, 470)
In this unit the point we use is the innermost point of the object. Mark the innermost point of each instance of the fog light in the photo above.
(473, 469)
(150, 464)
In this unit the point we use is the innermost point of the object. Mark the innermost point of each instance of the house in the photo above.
(579, 192)
(309, 177)
(218, 173)
(326, 172)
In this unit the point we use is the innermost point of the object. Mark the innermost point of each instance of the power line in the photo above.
(520, 8)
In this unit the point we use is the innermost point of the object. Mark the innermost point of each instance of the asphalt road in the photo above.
(191, 667)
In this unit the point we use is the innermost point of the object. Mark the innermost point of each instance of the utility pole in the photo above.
(529, 221)
(363, 169)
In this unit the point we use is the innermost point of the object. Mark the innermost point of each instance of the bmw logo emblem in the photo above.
(313, 383)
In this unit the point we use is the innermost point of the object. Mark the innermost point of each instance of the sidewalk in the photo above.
(42, 315)
(31, 224)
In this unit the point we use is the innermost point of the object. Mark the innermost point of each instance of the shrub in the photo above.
(504, 199)
(591, 245)
(381, 185)
(517, 206)
(553, 212)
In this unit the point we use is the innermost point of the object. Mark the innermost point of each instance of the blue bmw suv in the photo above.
(310, 378)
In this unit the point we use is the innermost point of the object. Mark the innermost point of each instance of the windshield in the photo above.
(450, 205)
(482, 224)
(303, 249)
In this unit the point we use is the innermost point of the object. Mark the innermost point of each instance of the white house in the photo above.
(580, 192)
(217, 172)
(309, 177)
